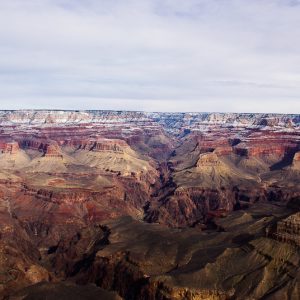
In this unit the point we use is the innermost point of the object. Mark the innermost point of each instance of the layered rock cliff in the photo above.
(64, 174)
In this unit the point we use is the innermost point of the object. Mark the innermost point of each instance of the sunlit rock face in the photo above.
(78, 189)
(9, 147)
(208, 160)
(288, 230)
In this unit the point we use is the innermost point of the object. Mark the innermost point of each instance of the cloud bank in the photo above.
(155, 55)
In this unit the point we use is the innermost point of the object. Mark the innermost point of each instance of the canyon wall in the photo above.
(67, 176)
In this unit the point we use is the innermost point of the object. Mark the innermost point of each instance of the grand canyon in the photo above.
(139, 205)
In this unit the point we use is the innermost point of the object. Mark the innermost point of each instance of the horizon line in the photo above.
(147, 111)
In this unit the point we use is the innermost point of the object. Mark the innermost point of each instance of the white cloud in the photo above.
(170, 55)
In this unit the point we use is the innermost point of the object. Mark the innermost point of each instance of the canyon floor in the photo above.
(133, 205)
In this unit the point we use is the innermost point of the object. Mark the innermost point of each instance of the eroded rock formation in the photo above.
(288, 230)
(78, 189)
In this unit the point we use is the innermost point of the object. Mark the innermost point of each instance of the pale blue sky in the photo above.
(155, 55)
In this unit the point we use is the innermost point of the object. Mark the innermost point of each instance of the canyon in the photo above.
(140, 205)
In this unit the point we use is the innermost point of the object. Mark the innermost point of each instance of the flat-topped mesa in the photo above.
(109, 145)
(9, 147)
(288, 230)
(208, 160)
(53, 151)
(99, 145)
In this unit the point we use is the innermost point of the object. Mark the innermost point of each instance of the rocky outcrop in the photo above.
(208, 160)
(53, 150)
(297, 157)
(288, 230)
(9, 147)
(296, 160)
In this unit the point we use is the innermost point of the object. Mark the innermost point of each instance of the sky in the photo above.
(152, 55)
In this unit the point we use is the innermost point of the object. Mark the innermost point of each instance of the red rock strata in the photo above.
(9, 147)
(64, 174)
(52, 151)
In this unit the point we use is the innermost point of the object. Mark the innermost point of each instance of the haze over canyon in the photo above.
(136, 205)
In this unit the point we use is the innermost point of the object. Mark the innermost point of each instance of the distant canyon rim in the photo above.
(135, 205)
